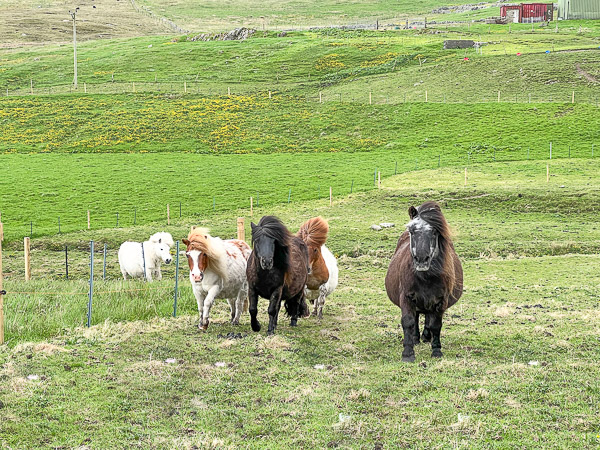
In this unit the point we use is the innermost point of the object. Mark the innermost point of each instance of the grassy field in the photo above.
(294, 145)
(396, 66)
(526, 327)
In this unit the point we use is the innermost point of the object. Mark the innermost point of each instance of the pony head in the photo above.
(424, 235)
(268, 236)
(203, 252)
(162, 237)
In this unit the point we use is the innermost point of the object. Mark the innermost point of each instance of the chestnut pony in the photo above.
(323, 277)
(424, 277)
(277, 270)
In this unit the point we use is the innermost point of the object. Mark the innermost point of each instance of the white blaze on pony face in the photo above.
(423, 243)
(196, 274)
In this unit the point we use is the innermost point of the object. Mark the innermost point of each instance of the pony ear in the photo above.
(412, 212)
(193, 228)
(185, 241)
(252, 225)
(160, 240)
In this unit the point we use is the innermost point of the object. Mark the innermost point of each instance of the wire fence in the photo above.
(279, 91)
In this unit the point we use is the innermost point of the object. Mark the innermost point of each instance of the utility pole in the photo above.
(73, 13)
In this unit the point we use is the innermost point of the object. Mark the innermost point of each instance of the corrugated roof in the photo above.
(579, 9)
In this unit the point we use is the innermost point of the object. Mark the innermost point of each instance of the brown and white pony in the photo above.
(424, 277)
(217, 270)
(323, 277)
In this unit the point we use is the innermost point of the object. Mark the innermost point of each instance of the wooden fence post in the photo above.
(27, 252)
(241, 230)
(320, 97)
(1, 288)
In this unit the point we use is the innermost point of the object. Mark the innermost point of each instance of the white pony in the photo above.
(217, 270)
(134, 256)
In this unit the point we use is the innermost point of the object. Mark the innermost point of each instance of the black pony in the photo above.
(277, 270)
(424, 277)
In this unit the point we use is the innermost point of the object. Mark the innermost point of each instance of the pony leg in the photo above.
(253, 309)
(274, 307)
(426, 336)
(408, 326)
(436, 328)
(237, 307)
(200, 301)
(416, 338)
(321, 300)
(124, 272)
(208, 302)
(158, 274)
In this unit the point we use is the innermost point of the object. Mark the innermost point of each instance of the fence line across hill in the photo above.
(474, 154)
(281, 92)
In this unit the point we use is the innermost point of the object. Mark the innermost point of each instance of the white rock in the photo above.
(375, 227)
(387, 225)
(534, 363)
(319, 366)
(170, 360)
(220, 364)
(33, 377)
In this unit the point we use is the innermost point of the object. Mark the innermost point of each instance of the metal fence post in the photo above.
(89, 311)
(176, 278)
(104, 264)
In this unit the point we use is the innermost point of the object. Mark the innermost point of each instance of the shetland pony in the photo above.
(217, 270)
(323, 277)
(139, 259)
(424, 277)
(277, 270)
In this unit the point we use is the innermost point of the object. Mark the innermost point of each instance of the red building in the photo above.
(527, 12)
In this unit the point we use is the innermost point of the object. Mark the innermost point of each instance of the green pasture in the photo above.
(231, 149)
(395, 66)
(524, 330)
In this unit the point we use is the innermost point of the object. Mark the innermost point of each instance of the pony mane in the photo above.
(431, 213)
(212, 247)
(272, 227)
(314, 232)
(162, 236)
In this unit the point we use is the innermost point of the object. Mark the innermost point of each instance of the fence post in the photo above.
(1, 288)
(370, 101)
(88, 214)
(241, 230)
(67, 262)
(26, 250)
(320, 97)
(91, 292)
(176, 278)
(104, 264)
(144, 262)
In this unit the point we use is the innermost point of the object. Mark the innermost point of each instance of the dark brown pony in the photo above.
(314, 234)
(277, 270)
(424, 277)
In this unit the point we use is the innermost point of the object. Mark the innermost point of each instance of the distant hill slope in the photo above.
(39, 22)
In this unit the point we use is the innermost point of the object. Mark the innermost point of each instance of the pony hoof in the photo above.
(204, 326)
(408, 359)
(293, 323)
(255, 326)
(235, 322)
(270, 333)
(436, 354)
